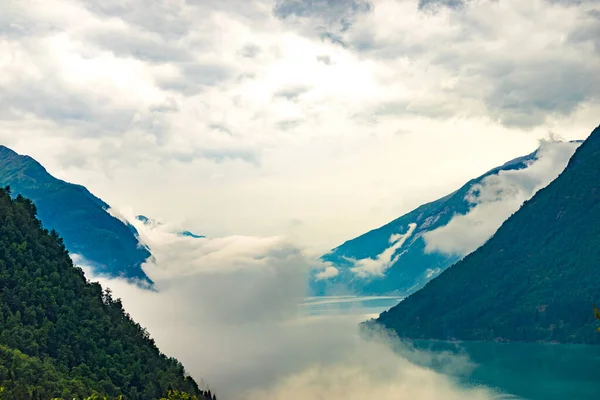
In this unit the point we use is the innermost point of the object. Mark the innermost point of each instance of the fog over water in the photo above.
(233, 311)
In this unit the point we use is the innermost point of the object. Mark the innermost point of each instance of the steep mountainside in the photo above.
(395, 259)
(536, 279)
(61, 336)
(80, 218)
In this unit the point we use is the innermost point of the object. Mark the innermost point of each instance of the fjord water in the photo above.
(367, 306)
(533, 371)
(529, 371)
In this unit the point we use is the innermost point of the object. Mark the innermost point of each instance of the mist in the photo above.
(497, 197)
(230, 310)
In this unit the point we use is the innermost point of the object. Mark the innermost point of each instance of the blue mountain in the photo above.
(400, 257)
(107, 244)
(190, 234)
(536, 280)
(152, 222)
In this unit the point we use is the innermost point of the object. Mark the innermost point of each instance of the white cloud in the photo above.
(230, 310)
(328, 272)
(116, 214)
(229, 118)
(369, 267)
(496, 198)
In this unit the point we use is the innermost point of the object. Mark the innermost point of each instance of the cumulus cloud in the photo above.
(496, 198)
(369, 267)
(328, 272)
(230, 310)
(512, 90)
(124, 97)
(336, 15)
(424, 4)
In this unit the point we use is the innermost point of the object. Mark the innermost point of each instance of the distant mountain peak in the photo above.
(190, 234)
(153, 223)
(145, 220)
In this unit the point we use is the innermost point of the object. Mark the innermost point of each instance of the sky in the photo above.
(315, 120)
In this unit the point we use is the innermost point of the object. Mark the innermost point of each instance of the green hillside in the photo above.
(413, 264)
(61, 336)
(78, 216)
(536, 279)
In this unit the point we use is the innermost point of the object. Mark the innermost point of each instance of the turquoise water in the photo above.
(348, 305)
(528, 371)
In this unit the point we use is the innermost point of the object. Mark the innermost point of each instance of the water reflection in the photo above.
(531, 371)
(367, 306)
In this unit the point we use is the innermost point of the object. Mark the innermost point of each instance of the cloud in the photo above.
(116, 214)
(523, 97)
(331, 12)
(328, 272)
(496, 198)
(230, 309)
(369, 267)
(193, 78)
(424, 4)
(291, 93)
(125, 96)
(144, 47)
(325, 59)
(250, 50)
(521, 90)
(588, 31)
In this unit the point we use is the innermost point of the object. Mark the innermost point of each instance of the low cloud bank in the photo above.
(368, 267)
(496, 198)
(229, 310)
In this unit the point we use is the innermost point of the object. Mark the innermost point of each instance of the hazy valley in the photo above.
(299, 199)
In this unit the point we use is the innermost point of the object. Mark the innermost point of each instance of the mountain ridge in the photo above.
(410, 265)
(110, 246)
(535, 279)
(63, 336)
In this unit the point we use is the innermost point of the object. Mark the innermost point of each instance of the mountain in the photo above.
(536, 279)
(61, 336)
(400, 257)
(81, 219)
(152, 222)
(191, 235)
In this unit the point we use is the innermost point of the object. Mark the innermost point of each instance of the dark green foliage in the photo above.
(177, 395)
(62, 336)
(79, 217)
(536, 279)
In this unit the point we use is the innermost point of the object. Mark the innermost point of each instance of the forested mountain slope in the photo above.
(396, 259)
(61, 336)
(79, 217)
(536, 279)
